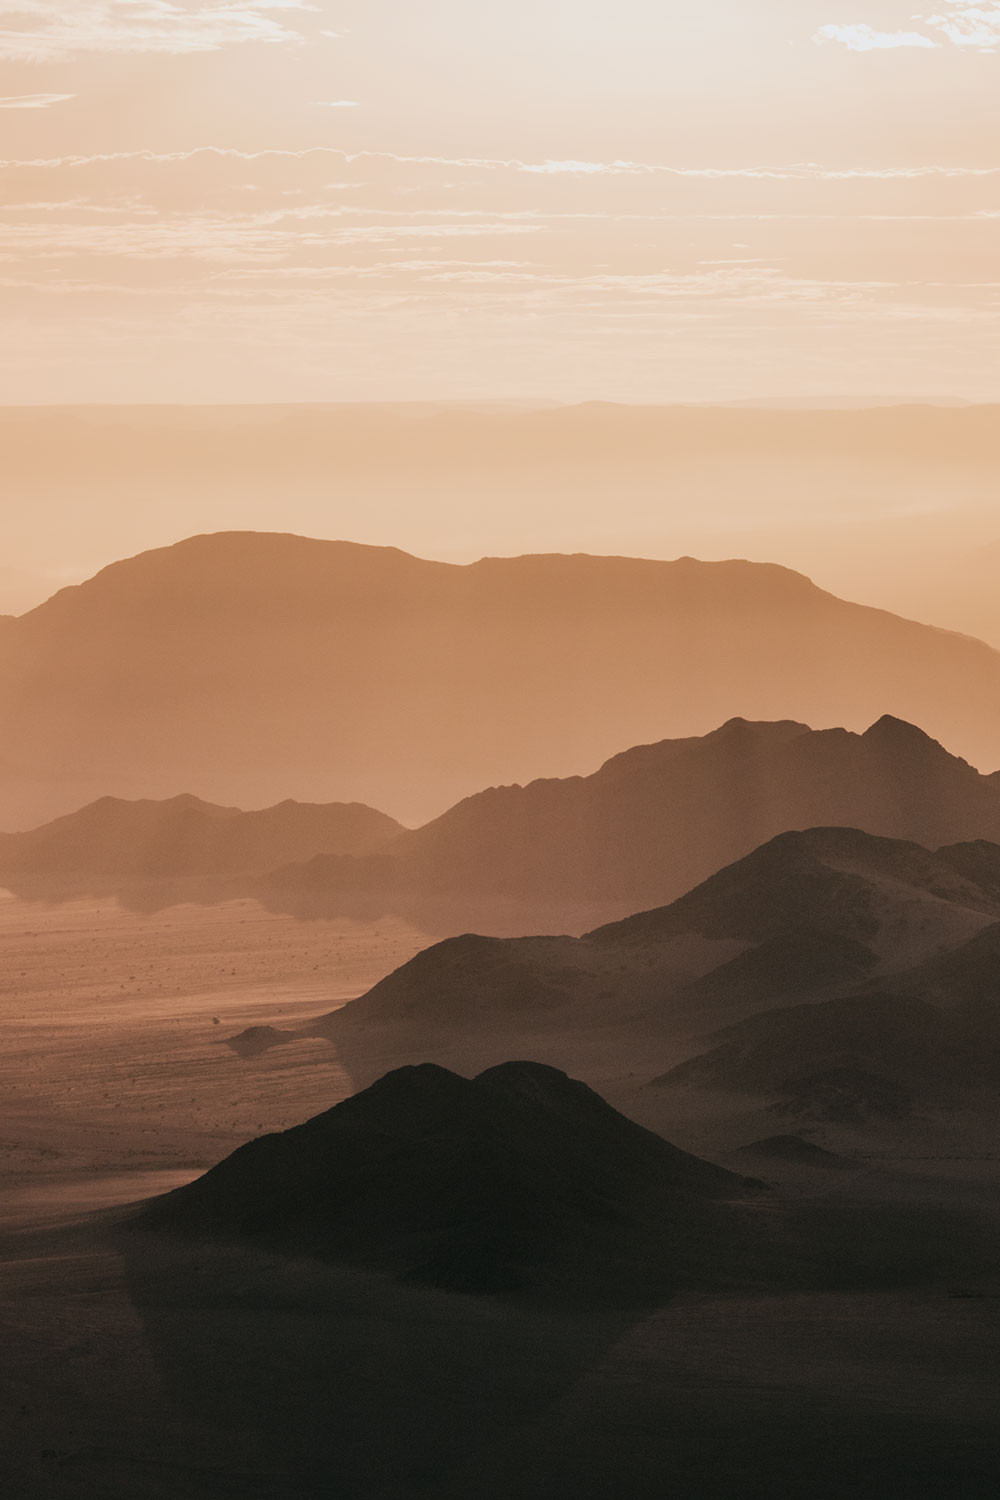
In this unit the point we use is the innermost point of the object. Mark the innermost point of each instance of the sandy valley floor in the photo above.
(114, 1057)
(134, 1369)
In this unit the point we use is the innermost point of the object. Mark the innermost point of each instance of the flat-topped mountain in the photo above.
(519, 1180)
(184, 836)
(248, 667)
(656, 820)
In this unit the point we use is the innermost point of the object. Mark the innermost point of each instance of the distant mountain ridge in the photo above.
(185, 836)
(658, 819)
(562, 855)
(246, 667)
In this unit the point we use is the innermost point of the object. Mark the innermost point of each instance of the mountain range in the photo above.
(113, 840)
(827, 960)
(555, 855)
(653, 822)
(246, 667)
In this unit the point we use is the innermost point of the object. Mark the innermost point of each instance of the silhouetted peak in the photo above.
(772, 730)
(809, 883)
(417, 1079)
(125, 806)
(737, 732)
(537, 1082)
(524, 1072)
(821, 843)
(899, 736)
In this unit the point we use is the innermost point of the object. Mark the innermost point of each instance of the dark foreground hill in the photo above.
(523, 1181)
(520, 1180)
(184, 836)
(652, 823)
(247, 667)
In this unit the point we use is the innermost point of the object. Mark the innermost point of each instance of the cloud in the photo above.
(584, 168)
(862, 38)
(50, 30)
(789, 172)
(969, 25)
(974, 26)
(33, 101)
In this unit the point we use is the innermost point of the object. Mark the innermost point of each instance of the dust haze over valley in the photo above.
(499, 751)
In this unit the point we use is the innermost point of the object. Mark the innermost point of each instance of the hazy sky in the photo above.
(640, 200)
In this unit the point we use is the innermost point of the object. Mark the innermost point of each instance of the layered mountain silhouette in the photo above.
(553, 855)
(823, 952)
(519, 1180)
(183, 837)
(246, 667)
(656, 820)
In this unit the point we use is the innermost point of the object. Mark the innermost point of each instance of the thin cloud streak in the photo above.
(34, 101)
(791, 172)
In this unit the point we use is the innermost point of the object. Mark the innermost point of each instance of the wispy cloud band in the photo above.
(53, 30)
(790, 172)
(33, 101)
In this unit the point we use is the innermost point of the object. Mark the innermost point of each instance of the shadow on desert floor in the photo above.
(321, 1380)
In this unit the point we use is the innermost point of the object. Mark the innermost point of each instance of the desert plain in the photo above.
(138, 1366)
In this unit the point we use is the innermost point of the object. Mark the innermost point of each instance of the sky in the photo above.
(216, 201)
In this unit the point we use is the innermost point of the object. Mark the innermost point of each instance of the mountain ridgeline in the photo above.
(830, 970)
(246, 667)
(555, 855)
(657, 820)
(183, 837)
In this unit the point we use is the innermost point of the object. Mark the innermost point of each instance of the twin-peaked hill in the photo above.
(518, 1180)
(247, 667)
(524, 1182)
